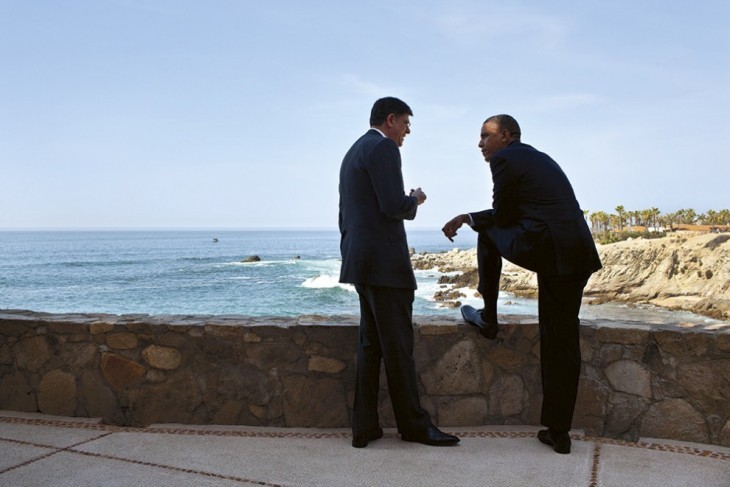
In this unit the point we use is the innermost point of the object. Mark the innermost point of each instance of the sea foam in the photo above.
(326, 282)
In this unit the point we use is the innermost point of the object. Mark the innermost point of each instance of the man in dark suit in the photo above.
(375, 258)
(536, 223)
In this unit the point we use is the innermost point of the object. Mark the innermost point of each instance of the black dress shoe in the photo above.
(559, 441)
(361, 441)
(473, 316)
(432, 436)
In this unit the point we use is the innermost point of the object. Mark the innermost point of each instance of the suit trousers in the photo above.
(489, 261)
(559, 300)
(386, 332)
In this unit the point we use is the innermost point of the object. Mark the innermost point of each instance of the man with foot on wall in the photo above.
(375, 258)
(535, 222)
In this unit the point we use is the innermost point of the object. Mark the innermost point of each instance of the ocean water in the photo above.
(187, 272)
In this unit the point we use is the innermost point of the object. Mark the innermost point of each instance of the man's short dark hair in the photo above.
(506, 122)
(384, 107)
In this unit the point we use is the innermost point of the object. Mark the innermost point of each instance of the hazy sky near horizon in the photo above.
(236, 114)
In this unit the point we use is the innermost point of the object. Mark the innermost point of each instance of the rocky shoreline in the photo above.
(685, 271)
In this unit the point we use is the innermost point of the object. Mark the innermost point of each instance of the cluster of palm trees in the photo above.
(651, 220)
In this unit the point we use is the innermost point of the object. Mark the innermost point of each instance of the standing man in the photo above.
(536, 223)
(375, 258)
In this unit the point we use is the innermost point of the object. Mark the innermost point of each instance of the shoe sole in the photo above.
(429, 443)
(489, 333)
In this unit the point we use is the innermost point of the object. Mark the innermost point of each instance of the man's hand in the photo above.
(454, 224)
(419, 194)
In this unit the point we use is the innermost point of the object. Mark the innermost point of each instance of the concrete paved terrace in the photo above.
(40, 450)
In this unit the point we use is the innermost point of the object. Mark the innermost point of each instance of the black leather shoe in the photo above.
(473, 316)
(362, 441)
(559, 441)
(433, 437)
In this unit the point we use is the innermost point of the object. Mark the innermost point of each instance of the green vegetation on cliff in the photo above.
(651, 223)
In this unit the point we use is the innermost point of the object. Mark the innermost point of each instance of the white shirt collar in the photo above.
(379, 131)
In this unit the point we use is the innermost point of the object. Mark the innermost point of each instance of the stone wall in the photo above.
(637, 380)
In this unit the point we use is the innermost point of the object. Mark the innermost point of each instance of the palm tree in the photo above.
(723, 217)
(645, 216)
(606, 222)
(621, 217)
(709, 218)
(687, 216)
(599, 222)
(633, 216)
(669, 220)
(655, 217)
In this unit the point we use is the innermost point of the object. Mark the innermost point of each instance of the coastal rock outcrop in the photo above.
(685, 271)
(252, 258)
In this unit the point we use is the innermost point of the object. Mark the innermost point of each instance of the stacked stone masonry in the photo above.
(637, 380)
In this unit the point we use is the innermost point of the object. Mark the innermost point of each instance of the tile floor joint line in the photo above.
(56, 449)
(175, 469)
(71, 447)
(32, 460)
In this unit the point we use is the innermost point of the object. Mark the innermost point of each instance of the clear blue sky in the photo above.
(236, 114)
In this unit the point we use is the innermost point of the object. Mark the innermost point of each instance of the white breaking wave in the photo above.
(326, 282)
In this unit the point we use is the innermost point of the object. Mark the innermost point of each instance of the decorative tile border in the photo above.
(687, 450)
(60, 423)
(596, 465)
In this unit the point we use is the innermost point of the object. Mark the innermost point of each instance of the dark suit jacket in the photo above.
(373, 205)
(536, 221)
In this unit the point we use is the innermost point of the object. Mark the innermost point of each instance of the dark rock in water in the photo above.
(469, 278)
(252, 258)
(411, 251)
(448, 295)
(297, 257)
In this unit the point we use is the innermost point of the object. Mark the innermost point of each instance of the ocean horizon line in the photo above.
(189, 229)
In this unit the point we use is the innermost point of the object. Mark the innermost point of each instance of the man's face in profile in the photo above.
(398, 127)
(492, 140)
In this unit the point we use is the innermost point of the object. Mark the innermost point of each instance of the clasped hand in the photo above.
(419, 194)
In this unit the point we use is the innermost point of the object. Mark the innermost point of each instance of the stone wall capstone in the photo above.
(637, 380)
